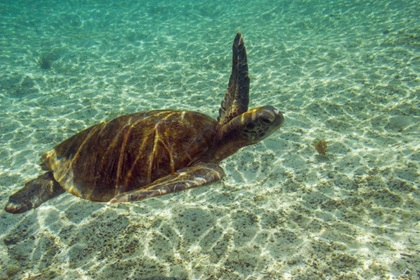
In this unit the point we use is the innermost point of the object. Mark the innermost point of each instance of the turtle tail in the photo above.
(35, 192)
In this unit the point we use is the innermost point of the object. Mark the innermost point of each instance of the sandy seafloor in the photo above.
(344, 71)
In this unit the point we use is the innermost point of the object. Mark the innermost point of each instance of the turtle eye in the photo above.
(265, 120)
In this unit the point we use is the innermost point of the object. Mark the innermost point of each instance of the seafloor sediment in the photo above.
(345, 72)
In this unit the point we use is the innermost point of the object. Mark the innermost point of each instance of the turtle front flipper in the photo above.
(237, 94)
(34, 193)
(186, 178)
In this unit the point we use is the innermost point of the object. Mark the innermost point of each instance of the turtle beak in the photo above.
(273, 117)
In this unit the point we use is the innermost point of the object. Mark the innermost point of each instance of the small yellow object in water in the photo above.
(321, 147)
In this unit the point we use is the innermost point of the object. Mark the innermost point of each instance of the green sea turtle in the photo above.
(152, 153)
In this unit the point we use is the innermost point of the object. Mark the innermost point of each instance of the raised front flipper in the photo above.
(237, 94)
(186, 178)
(33, 194)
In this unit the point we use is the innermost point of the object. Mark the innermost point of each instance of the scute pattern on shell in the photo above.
(129, 152)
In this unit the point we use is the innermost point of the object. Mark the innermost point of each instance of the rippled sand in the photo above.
(343, 72)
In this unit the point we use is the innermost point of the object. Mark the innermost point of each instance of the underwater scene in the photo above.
(332, 194)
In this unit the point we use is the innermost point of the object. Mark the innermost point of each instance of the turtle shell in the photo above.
(129, 152)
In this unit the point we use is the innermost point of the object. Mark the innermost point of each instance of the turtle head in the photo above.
(257, 124)
(246, 129)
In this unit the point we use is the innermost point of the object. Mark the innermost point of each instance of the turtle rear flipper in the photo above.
(34, 193)
(186, 178)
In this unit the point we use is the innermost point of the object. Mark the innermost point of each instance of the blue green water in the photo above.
(343, 71)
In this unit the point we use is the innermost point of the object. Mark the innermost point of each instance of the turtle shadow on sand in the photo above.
(152, 153)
